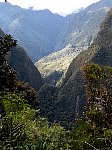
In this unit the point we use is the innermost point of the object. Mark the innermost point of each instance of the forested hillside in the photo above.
(22, 125)
(71, 97)
(26, 71)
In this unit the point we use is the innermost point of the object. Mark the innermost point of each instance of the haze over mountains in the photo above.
(36, 31)
(41, 33)
(79, 30)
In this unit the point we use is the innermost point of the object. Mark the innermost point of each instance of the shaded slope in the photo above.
(26, 71)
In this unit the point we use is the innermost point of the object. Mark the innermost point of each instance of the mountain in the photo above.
(22, 64)
(70, 101)
(53, 66)
(79, 30)
(71, 98)
(36, 31)
(26, 71)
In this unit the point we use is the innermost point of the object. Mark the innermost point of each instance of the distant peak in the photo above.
(47, 10)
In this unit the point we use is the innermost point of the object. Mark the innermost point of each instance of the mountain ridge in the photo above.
(79, 30)
(33, 29)
(99, 52)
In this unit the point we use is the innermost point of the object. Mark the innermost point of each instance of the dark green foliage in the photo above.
(99, 93)
(27, 93)
(6, 43)
(7, 75)
(94, 130)
(12, 130)
(12, 135)
(8, 80)
(19, 129)
(47, 97)
(98, 111)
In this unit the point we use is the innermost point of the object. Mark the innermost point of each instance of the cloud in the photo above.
(56, 6)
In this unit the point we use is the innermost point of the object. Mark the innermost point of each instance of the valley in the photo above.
(56, 78)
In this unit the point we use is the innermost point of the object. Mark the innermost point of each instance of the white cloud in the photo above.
(56, 6)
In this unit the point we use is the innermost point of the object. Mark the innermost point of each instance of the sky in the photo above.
(62, 7)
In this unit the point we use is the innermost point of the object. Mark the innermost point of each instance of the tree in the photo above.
(94, 130)
(8, 79)
(20, 128)
(7, 75)
(96, 125)
(99, 94)
(12, 131)
(27, 93)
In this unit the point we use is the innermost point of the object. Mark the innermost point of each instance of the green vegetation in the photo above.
(22, 128)
(72, 97)
(19, 126)
(7, 75)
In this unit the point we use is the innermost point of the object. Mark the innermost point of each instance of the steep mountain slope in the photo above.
(71, 98)
(36, 31)
(79, 31)
(26, 71)
(69, 103)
